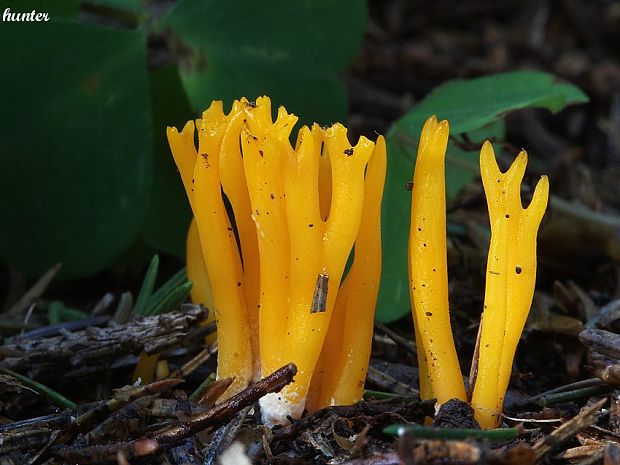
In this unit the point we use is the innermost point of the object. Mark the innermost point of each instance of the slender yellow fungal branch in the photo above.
(485, 399)
(424, 377)
(428, 272)
(522, 259)
(184, 153)
(197, 272)
(263, 169)
(346, 351)
(220, 253)
(305, 224)
(162, 370)
(511, 276)
(235, 187)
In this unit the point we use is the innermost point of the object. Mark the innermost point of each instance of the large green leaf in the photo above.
(474, 103)
(75, 146)
(289, 50)
(473, 106)
(168, 215)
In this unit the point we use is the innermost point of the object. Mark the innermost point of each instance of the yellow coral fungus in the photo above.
(440, 373)
(511, 276)
(297, 212)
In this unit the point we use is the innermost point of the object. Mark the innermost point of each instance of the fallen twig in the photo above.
(227, 409)
(387, 382)
(568, 430)
(35, 292)
(224, 437)
(31, 438)
(86, 352)
(108, 452)
(193, 364)
(386, 458)
(398, 339)
(214, 391)
(83, 423)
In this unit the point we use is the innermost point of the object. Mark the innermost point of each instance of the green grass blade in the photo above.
(370, 394)
(142, 302)
(175, 281)
(172, 300)
(53, 312)
(197, 394)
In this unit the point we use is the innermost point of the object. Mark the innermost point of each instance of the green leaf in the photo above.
(168, 215)
(313, 97)
(476, 107)
(291, 51)
(76, 144)
(474, 103)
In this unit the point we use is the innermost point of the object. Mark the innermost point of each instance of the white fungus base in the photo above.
(234, 455)
(275, 408)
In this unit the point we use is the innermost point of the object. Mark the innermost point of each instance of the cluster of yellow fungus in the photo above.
(274, 226)
(272, 269)
(511, 275)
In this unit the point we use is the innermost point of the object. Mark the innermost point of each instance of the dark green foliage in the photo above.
(85, 166)
(289, 50)
(76, 145)
(168, 214)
